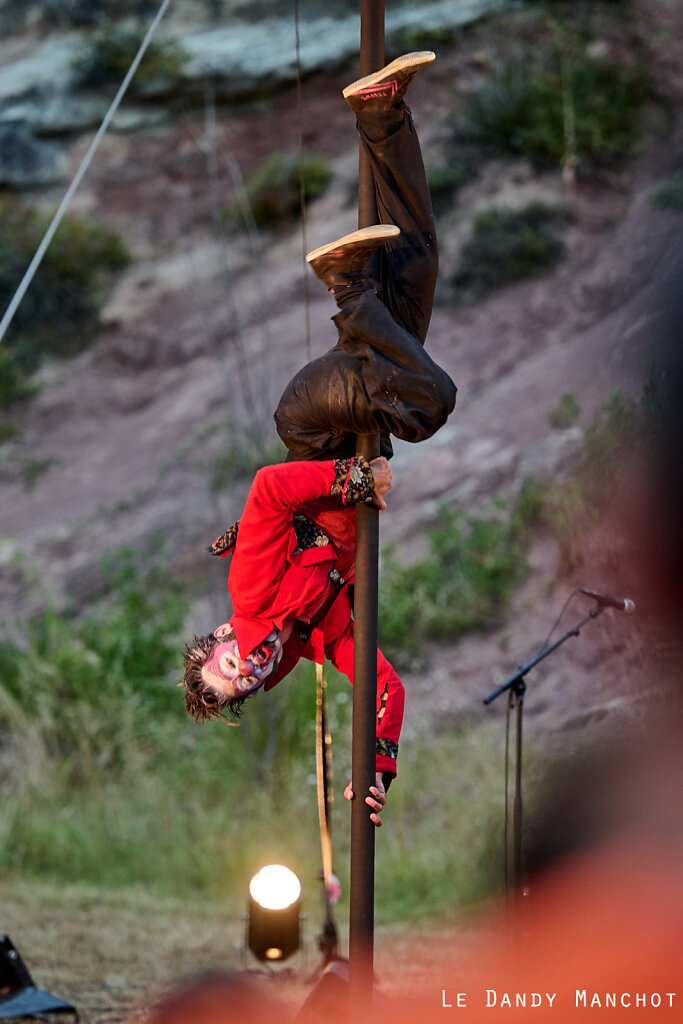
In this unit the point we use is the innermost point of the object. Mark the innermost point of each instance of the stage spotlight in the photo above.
(274, 913)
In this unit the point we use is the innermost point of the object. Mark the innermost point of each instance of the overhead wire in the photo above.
(302, 185)
(323, 738)
(78, 177)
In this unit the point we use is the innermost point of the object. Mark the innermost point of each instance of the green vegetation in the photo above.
(621, 428)
(558, 102)
(14, 386)
(241, 461)
(443, 849)
(8, 430)
(444, 182)
(566, 412)
(474, 562)
(58, 315)
(32, 469)
(107, 781)
(508, 245)
(106, 58)
(51, 14)
(668, 195)
(463, 584)
(273, 192)
(414, 37)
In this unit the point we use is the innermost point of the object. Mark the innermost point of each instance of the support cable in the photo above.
(302, 186)
(85, 163)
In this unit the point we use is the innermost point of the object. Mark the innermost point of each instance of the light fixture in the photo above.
(274, 913)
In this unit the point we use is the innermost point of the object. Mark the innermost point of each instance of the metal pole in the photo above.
(362, 888)
(371, 59)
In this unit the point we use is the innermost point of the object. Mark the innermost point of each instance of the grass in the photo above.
(108, 782)
(621, 428)
(59, 313)
(463, 583)
(241, 460)
(508, 245)
(443, 847)
(273, 192)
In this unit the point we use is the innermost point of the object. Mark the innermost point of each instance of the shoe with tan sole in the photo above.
(345, 261)
(386, 88)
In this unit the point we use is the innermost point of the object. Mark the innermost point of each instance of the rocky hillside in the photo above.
(207, 324)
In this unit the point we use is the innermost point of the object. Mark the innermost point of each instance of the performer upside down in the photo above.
(293, 548)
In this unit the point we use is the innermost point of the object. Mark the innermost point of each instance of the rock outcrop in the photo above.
(238, 56)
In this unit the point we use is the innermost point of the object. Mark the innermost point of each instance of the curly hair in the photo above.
(202, 700)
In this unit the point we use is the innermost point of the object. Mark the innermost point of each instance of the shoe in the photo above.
(345, 261)
(386, 88)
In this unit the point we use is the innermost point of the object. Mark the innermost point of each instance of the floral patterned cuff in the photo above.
(225, 543)
(353, 480)
(386, 747)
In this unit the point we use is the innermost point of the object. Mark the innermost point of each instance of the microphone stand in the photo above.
(516, 686)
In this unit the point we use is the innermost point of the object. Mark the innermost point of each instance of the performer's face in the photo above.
(231, 674)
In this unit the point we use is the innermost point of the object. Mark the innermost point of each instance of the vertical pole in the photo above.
(362, 888)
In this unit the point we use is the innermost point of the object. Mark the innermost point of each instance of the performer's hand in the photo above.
(382, 476)
(376, 800)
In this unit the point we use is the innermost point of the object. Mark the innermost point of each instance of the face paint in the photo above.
(243, 676)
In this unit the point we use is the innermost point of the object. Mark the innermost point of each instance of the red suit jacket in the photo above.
(270, 583)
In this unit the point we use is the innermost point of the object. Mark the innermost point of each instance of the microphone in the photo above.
(623, 604)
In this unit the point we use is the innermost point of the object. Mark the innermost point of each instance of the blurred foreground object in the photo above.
(19, 996)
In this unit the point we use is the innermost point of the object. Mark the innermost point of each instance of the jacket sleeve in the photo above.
(266, 538)
(390, 699)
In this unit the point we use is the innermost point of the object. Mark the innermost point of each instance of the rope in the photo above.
(302, 187)
(323, 775)
(85, 163)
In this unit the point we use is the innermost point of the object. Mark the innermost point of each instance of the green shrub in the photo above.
(14, 386)
(58, 314)
(547, 105)
(51, 14)
(273, 191)
(444, 182)
(413, 37)
(508, 245)
(566, 412)
(33, 468)
(619, 430)
(105, 59)
(8, 431)
(668, 195)
(463, 583)
(241, 461)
